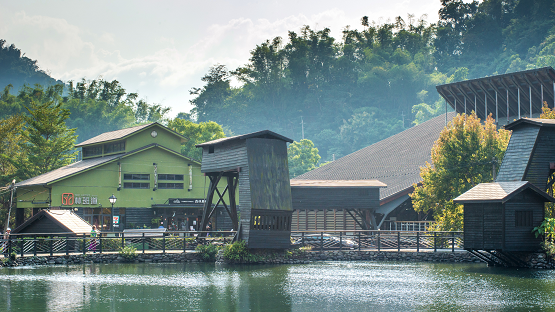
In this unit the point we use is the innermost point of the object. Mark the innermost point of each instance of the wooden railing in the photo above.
(378, 240)
(182, 241)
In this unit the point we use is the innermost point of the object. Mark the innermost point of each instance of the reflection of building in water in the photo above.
(68, 294)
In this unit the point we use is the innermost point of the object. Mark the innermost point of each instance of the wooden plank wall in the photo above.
(226, 156)
(522, 238)
(335, 198)
(493, 226)
(519, 151)
(474, 226)
(42, 225)
(322, 220)
(269, 174)
(138, 216)
(544, 153)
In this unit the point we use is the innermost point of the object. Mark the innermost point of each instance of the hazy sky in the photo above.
(161, 49)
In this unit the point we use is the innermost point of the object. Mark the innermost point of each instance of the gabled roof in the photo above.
(264, 134)
(87, 164)
(531, 121)
(395, 161)
(337, 183)
(123, 133)
(65, 219)
(498, 192)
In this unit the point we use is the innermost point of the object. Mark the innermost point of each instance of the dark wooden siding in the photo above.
(518, 154)
(226, 156)
(335, 198)
(43, 225)
(474, 226)
(493, 226)
(544, 153)
(323, 220)
(521, 238)
(139, 217)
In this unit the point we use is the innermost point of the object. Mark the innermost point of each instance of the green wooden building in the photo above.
(141, 166)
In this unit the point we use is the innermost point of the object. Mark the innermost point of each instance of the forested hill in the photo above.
(17, 69)
(356, 90)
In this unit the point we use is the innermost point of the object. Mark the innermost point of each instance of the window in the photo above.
(211, 149)
(101, 217)
(170, 186)
(524, 218)
(114, 147)
(134, 185)
(92, 151)
(136, 176)
(171, 177)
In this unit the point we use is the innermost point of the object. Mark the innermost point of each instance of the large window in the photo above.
(136, 176)
(170, 186)
(92, 151)
(114, 147)
(170, 177)
(101, 217)
(136, 185)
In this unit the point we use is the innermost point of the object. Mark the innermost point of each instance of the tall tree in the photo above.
(461, 158)
(302, 157)
(196, 134)
(48, 142)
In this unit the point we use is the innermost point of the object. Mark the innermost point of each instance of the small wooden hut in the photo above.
(256, 163)
(54, 222)
(500, 216)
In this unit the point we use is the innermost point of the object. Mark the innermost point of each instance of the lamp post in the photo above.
(112, 200)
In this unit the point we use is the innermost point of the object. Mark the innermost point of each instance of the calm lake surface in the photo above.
(320, 286)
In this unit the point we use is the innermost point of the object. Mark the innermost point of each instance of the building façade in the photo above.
(141, 166)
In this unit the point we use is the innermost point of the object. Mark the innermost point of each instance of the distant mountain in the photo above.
(17, 69)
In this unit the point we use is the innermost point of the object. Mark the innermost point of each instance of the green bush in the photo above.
(207, 252)
(128, 253)
(238, 252)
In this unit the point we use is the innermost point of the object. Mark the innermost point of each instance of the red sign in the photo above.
(67, 199)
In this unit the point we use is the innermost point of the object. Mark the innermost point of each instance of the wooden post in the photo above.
(379, 245)
(143, 242)
(321, 241)
(51, 241)
(418, 241)
(185, 243)
(99, 242)
(67, 244)
(398, 241)
(122, 240)
(435, 246)
(35, 245)
(163, 242)
(340, 241)
(84, 243)
(22, 245)
(358, 241)
(452, 241)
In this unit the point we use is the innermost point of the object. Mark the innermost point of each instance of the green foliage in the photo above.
(208, 252)
(239, 253)
(547, 230)
(128, 253)
(196, 134)
(302, 157)
(461, 158)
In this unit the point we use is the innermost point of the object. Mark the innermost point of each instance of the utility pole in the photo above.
(12, 188)
(302, 127)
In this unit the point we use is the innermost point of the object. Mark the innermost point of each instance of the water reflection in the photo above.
(325, 286)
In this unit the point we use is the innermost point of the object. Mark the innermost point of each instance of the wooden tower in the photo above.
(255, 164)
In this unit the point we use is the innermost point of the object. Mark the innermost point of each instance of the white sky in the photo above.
(161, 49)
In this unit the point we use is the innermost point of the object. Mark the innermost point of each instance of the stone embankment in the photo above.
(536, 261)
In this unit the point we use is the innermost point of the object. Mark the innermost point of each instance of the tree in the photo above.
(196, 134)
(461, 158)
(302, 157)
(47, 141)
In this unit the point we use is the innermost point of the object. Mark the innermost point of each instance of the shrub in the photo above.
(238, 252)
(128, 253)
(207, 252)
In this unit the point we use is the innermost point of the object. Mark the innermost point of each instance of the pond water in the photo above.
(319, 286)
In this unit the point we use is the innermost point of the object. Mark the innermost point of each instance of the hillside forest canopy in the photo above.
(349, 92)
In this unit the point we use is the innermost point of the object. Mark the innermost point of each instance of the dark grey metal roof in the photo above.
(520, 148)
(395, 161)
(266, 134)
(498, 192)
(534, 87)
